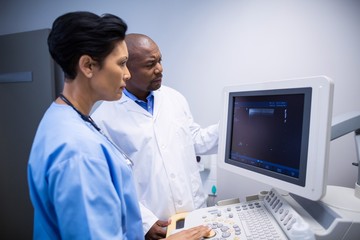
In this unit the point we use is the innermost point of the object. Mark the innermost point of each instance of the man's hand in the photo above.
(157, 231)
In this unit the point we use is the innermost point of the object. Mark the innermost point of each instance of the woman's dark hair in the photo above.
(83, 33)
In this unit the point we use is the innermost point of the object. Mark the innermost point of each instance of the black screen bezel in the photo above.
(307, 93)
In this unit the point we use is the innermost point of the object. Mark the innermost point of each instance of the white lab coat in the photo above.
(163, 147)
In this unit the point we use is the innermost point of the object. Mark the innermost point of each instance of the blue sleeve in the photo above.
(86, 202)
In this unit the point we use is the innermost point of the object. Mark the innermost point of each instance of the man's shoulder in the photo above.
(169, 90)
(109, 106)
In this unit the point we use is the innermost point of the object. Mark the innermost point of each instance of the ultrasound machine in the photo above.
(279, 133)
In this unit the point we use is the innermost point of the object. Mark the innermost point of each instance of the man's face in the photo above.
(146, 70)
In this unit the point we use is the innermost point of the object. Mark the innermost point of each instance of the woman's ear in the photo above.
(86, 66)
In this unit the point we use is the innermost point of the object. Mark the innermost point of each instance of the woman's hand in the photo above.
(194, 233)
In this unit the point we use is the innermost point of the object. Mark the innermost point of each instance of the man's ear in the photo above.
(86, 66)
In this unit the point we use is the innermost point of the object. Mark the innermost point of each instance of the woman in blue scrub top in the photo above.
(81, 184)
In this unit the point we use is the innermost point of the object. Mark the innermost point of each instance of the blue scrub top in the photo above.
(80, 185)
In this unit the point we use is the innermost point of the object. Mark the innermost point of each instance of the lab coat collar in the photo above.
(132, 106)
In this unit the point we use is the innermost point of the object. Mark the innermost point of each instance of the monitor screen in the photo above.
(275, 132)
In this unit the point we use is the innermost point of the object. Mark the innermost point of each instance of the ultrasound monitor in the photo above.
(278, 133)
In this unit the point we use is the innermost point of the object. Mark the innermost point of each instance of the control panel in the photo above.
(269, 218)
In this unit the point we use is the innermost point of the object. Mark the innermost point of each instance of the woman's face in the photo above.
(109, 81)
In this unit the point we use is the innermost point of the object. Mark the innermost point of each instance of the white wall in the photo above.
(207, 44)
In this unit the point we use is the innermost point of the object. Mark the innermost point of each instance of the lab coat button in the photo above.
(172, 176)
(179, 202)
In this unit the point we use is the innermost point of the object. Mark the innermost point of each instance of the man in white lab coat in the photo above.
(153, 125)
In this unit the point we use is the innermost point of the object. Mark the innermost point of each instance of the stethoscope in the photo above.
(88, 119)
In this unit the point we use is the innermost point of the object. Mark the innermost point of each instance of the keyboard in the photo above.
(269, 218)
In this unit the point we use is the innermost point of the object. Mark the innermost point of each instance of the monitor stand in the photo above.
(335, 216)
(342, 198)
